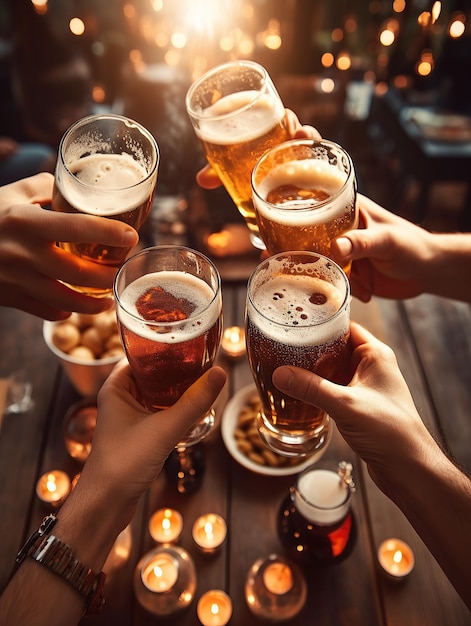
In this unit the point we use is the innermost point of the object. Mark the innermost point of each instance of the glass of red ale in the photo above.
(297, 313)
(107, 166)
(169, 308)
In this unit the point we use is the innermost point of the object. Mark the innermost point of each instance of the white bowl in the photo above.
(228, 424)
(86, 376)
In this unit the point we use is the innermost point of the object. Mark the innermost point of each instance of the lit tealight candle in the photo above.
(209, 532)
(166, 525)
(396, 558)
(160, 574)
(233, 341)
(278, 578)
(53, 487)
(214, 608)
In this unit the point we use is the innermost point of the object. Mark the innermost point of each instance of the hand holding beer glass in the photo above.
(297, 313)
(169, 308)
(107, 166)
(304, 193)
(238, 115)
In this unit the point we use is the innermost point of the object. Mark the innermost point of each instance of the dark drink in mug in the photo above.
(315, 521)
(304, 193)
(297, 313)
(107, 166)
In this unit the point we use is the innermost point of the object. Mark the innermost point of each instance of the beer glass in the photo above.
(238, 115)
(304, 193)
(169, 309)
(297, 313)
(315, 521)
(107, 166)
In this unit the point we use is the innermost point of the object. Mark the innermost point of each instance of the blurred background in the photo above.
(387, 79)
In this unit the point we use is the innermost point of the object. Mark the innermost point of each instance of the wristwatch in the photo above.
(48, 550)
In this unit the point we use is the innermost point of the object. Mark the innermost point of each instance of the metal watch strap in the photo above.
(59, 558)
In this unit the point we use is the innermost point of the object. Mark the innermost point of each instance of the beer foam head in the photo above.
(309, 174)
(104, 184)
(239, 117)
(180, 285)
(322, 496)
(304, 307)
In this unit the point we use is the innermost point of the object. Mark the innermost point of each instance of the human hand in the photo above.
(207, 177)
(375, 413)
(389, 254)
(32, 266)
(130, 443)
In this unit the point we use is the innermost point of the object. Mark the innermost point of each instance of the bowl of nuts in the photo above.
(240, 435)
(87, 346)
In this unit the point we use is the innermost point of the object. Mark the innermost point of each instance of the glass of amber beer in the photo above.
(297, 313)
(169, 308)
(238, 115)
(107, 166)
(304, 193)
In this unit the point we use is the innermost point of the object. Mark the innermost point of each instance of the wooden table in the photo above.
(432, 339)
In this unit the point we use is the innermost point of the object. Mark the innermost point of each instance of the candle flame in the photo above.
(158, 571)
(214, 608)
(397, 556)
(208, 529)
(51, 483)
(166, 523)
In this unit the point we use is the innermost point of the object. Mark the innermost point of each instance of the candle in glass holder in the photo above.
(233, 342)
(53, 487)
(396, 558)
(278, 578)
(209, 532)
(160, 574)
(214, 608)
(166, 525)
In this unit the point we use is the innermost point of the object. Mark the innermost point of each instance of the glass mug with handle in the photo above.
(107, 166)
(169, 309)
(297, 313)
(238, 115)
(304, 193)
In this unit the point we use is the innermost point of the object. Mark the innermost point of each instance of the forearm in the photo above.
(449, 266)
(89, 524)
(435, 496)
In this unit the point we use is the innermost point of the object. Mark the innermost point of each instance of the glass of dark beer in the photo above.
(315, 522)
(107, 166)
(297, 313)
(304, 193)
(238, 115)
(169, 308)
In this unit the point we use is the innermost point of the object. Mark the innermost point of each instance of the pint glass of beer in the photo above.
(238, 115)
(304, 192)
(107, 166)
(169, 308)
(297, 313)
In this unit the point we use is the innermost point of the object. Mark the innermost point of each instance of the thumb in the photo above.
(360, 244)
(308, 387)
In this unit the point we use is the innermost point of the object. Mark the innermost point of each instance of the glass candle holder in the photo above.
(166, 525)
(214, 608)
(209, 532)
(165, 580)
(53, 487)
(275, 589)
(396, 558)
(315, 521)
(80, 422)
